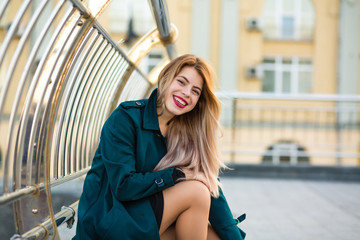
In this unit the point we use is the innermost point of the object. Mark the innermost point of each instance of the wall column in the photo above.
(200, 28)
(228, 64)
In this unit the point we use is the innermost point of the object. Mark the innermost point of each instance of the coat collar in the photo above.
(150, 120)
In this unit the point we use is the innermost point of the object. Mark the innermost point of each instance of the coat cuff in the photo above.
(164, 179)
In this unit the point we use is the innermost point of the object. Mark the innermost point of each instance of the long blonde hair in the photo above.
(192, 137)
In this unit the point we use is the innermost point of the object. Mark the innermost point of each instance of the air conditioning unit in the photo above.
(253, 24)
(254, 72)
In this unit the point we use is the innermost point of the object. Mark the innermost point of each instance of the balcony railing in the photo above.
(291, 129)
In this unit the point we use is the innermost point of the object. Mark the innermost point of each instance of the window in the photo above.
(287, 75)
(151, 61)
(121, 11)
(287, 27)
(288, 19)
(285, 152)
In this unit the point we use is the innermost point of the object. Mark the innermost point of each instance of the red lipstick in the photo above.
(177, 103)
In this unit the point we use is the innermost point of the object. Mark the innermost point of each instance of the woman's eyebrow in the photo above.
(187, 80)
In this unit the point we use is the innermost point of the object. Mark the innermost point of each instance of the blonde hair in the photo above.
(192, 137)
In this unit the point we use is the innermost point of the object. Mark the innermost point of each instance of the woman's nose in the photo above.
(186, 91)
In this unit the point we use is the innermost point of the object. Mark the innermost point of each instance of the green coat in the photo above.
(114, 203)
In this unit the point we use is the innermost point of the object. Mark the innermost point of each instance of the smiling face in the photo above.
(183, 92)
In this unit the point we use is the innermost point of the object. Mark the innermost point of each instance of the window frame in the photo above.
(279, 68)
(286, 149)
(298, 14)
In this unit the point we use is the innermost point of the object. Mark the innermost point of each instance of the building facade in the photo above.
(278, 49)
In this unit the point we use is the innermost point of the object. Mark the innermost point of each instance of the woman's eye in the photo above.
(196, 92)
(181, 82)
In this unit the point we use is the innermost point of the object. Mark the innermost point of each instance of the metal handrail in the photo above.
(292, 97)
(66, 215)
(259, 121)
(33, 189)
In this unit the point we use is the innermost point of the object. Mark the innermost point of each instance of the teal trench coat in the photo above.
(114, 203)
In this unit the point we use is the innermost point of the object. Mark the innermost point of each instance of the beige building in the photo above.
(260, 29)
(283, 49)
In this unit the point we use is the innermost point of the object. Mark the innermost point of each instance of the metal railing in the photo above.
(293, 129)
(62, 75)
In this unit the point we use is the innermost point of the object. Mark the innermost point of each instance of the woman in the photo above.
(154, 174)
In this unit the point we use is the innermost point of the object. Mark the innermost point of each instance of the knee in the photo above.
(198, 193)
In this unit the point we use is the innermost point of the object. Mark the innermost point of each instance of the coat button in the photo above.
(159, 182)
(138, 103)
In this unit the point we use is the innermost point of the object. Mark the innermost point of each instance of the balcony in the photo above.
(263, 128)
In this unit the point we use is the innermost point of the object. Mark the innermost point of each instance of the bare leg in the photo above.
(212, 235)
(188, 204)
(170, 234)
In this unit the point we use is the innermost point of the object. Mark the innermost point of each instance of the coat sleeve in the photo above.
(117, 149)
(222, 220)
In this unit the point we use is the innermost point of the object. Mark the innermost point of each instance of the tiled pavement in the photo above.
(281, 209)
(295, 209)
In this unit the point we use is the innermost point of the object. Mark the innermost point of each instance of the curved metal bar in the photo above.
(73, 85)
(117, 76)
(99, 107)
(81, 85)
(75, 99)
(86, 87)
(47, 126)
(90, 140)
(25, 116)
(144, 46)
(108, 38)
(58, 86)
(87, 118)
(3, 8)
(10, 35)
(162, 20)
(73, 65)
(14, 60)
(153, 75)
(98, 79)
(34, 134)
(89, 107)
(20, 90)
(90, 112)
(136, 54)
(131, 92)
(20, 46)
